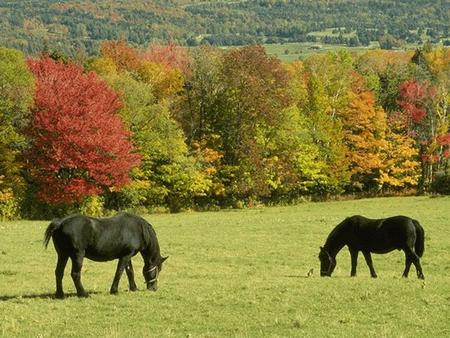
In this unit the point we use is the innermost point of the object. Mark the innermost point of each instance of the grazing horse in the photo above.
(104, 239)
(374, 235)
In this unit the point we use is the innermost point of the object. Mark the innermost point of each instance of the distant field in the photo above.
(238, 274)
(298, 51)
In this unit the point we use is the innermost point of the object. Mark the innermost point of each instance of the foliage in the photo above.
(364, 137)
(83, 25)
(168, 175)
(79, 147)
(233, 107)
(219, 127)
(441, 184)
(92, 206)
(9, 205)
(16, 97)
(400, 158)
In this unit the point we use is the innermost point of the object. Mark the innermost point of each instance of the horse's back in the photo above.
(101, 239)
(381, 235)
(72, 233)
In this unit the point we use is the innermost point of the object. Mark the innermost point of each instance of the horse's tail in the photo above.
(55, 224)
(420, 239)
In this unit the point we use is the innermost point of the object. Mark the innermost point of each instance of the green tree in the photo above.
(16, 96)
(168, 175)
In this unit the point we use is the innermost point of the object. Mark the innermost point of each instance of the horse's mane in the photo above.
(149, 235)
(337, 230)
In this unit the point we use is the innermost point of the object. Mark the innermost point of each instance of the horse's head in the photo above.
(327, 263)
(151, 274)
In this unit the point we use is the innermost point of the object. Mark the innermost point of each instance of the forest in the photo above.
(174, 128)
(82, 25)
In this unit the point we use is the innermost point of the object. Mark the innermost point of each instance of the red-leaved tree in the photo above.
(79, 146)
(428, 124)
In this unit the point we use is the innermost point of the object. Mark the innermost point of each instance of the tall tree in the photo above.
(427, 119)
(168, 175)
(16, 96)
(364, 136)
(328, 82)
(79, 145)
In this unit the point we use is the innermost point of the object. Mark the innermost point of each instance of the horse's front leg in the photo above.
(122, 263)
(368, 258)
(130, 274)
(354, 259)
(77, 264)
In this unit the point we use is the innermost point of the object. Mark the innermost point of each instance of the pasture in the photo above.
(237, 274)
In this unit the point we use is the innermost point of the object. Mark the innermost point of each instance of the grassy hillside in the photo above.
(70, 26)
(237, 273)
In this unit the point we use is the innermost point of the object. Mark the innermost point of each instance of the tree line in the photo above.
(171, 128)
(82, 25)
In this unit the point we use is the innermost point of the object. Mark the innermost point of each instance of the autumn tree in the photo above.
(16, 96)
(79, 145)
(123, 56)
(428, 120)
(169, 56)
(364, 137)
(324, 95)
(384, 72)
(400, 168)
(168, 175)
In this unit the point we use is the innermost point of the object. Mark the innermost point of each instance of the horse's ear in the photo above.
(164, 258)
(321, 248)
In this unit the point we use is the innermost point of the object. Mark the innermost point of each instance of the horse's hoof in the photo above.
(59, 295)
(134, 289)
(83, 295)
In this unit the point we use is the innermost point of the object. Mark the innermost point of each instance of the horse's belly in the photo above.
(106, 255)
(383, 249)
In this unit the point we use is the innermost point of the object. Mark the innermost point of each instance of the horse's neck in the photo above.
(334, 244)
(152, 252)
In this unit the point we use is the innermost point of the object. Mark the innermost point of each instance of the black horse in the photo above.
(374, 235)
(104, 239)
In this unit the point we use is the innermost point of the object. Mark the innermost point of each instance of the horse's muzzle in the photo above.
(152, 287)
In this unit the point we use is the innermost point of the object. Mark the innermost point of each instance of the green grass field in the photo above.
(237, 274)
(293, 51)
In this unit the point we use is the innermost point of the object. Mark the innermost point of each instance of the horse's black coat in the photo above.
(374, 235)
(104, 239)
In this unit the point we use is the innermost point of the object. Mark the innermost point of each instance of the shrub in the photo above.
(8, 205)
(93, 206)
(441, 184)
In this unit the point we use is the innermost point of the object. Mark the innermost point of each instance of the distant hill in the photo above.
(32, 25)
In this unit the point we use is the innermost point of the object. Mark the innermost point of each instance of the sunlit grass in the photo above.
(239, 274)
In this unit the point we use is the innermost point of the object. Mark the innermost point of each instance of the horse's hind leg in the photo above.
(416, 261)
(408, 262)
(130, 275)
(77, 264)
(368, 258)
(59, 274)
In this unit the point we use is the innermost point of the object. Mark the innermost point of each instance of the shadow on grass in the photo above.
(39, 296)
(315, 277)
